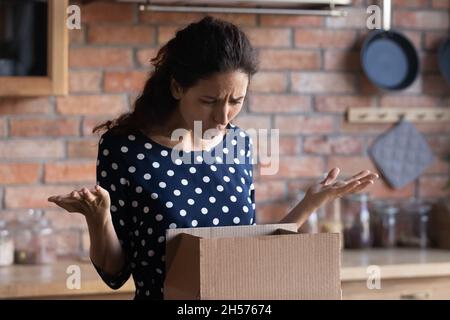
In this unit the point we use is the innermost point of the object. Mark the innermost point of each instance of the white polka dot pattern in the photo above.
(153, 189)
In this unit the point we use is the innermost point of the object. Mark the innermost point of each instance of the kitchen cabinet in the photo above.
(404, 274)
(34, 48)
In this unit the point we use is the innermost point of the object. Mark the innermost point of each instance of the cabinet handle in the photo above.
(415, 296)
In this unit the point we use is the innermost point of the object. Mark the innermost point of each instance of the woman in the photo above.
(149, 182)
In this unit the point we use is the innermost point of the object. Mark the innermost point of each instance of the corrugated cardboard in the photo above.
(251, 262)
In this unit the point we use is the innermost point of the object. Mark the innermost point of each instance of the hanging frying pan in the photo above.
(444, 59)
(388, 58)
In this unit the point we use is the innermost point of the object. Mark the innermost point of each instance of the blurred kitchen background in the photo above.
(310, 78)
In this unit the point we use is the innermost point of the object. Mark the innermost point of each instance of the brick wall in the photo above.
(310, 74)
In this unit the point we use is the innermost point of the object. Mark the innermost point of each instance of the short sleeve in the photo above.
(110, 176)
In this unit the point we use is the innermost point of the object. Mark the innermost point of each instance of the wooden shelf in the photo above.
(388, 115)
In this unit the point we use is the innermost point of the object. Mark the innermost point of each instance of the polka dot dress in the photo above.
(154, 188)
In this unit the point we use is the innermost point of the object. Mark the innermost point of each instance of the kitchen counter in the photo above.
(397, 267)
(402, 274)
(395, 263)
(49, 281)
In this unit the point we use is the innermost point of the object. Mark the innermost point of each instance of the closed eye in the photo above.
(208, 102)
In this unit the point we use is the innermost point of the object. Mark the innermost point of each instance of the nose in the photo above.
(221, 114)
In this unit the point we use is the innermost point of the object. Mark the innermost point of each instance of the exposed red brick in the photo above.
(340, 103)
(269, 37)
(91, 57)
(111, 34)
(271, 190)
(279, 103)
(31, 149)
(107, 12)
(13, 106)
(68, 172)
(323, 82)
(35, 127)
(291, 21)
(316, 38)
(125, 81)
(295, 124)
(85, 81)
(91, 105)
(289, 60)
(271, 82)
(19, 173)
(434, 187)
(82, 148)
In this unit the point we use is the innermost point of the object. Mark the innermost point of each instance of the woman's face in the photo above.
(214, 101)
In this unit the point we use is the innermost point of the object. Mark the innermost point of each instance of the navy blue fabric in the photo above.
(153, 188)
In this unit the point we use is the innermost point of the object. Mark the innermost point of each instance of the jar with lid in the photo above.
(384, 223)
(413, 223)
(34, 240)
(356, 220)
(6, 245)
(44, 240)
(330, 219)
(24, 252)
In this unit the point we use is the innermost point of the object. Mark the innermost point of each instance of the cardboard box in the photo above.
(251, 262)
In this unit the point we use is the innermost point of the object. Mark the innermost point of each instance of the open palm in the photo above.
(331, 188)
(93, 204)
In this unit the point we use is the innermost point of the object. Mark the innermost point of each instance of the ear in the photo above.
(176, 89)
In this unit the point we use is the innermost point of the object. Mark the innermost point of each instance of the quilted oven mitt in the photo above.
(401, 154)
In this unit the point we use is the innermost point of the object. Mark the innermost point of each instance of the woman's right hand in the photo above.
(93, 204)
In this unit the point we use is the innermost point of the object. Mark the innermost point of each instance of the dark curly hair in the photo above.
(196, 52)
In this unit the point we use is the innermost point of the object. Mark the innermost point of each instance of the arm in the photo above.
(106, 215)
(300, 213)
(105, 249)
(325, 191)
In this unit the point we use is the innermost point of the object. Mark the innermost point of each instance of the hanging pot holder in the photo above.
(401, 154)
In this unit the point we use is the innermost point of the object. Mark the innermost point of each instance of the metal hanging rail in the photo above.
(215, 9)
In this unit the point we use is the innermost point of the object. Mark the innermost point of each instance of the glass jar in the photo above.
(330, 221)
(384, 223)
(356, 220)
(6, 245)
(413, 224)
(23, 240)
(44, 240)
(34, 240)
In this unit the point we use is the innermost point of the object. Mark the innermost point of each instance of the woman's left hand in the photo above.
(330, 188)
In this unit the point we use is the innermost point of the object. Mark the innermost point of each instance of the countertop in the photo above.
(50, 280)
(395, 263)
(36, 281)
